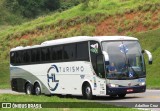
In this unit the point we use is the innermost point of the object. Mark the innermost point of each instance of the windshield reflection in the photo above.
(126, 60)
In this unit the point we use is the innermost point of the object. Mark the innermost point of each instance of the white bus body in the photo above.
(79, 66)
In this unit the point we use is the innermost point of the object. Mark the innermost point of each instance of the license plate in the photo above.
(129, 90)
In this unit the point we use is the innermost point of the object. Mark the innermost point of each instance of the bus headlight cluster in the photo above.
(142, 83)
(113, 85)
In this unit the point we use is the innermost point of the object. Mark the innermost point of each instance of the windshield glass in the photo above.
(125, 60)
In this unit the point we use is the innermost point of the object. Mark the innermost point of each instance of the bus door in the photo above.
(97, 60)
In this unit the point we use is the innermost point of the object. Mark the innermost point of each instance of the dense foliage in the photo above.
(31, 8)
(13, 12)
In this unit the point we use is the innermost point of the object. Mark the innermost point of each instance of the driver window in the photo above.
(100, 66)
(97, 58)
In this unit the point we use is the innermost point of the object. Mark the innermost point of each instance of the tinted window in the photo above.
(19, 58)
(26, 56)
(35, 55)
(45, 54)
(69, 51)
(56, 52)
(95, 51)
(100, 66)
(82, 50)
(13, 57)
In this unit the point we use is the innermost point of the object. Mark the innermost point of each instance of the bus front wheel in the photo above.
(37, 89)
(121, 95)
(87, 92)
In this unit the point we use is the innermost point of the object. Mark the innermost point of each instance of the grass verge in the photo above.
(150, 41)
(54, 99)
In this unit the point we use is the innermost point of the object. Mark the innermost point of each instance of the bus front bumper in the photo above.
(125, 90)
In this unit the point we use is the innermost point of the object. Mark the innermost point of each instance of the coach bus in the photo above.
(83, 65)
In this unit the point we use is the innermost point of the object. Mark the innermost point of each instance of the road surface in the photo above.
(148, 96)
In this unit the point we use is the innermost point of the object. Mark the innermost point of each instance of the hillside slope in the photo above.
(151, 41)
(116, 17)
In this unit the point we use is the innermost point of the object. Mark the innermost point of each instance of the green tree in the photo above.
(52, 4)
(85, 4)
(31, 8)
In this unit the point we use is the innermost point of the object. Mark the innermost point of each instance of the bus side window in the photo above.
(45, 54)
(38, 55)
(19, 58)
(69, 51)
(48, 54)
(100, 66)
(82, 51)
(26, 56)
(35, 55)
(56, 53)
(13, 57)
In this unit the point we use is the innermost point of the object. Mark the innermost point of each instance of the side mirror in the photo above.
(149, 56)
(142, 51)
(106, 57)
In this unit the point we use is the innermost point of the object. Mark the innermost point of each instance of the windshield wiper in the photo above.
(128, 64)
(134, 72)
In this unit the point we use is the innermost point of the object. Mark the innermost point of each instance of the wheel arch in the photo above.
(84, 83)
(27, 82)
(37, 82)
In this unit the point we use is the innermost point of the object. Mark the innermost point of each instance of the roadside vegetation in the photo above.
(82, 105)
(87, 17)
(150, 41)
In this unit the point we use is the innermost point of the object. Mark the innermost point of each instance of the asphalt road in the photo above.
(149, 96)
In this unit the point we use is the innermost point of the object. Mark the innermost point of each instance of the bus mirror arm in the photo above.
(149, 56)
(106, 57)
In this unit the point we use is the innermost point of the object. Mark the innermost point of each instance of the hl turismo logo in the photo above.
(54, 70)
(52, 82)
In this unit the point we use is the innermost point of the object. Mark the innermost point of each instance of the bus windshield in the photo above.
(125, 60)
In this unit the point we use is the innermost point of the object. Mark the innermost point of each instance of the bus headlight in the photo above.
(142, 83)
(113, 85)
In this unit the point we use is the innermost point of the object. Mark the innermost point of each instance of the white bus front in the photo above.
(124, 67)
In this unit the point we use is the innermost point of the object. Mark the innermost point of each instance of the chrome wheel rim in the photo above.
(28, 90)
(88, 90)
(38, 90)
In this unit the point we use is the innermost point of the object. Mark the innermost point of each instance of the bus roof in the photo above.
(75, 39)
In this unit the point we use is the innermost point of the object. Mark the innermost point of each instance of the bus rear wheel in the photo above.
(87, 92)
(28, 89)
(121, 95)
(37, 89)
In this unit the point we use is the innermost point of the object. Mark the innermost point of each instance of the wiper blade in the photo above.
(137, 76)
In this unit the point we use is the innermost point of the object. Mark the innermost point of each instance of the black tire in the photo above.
(28, 89)
(113, 95)
(87, 92)
(121, 95)
(37, 89)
